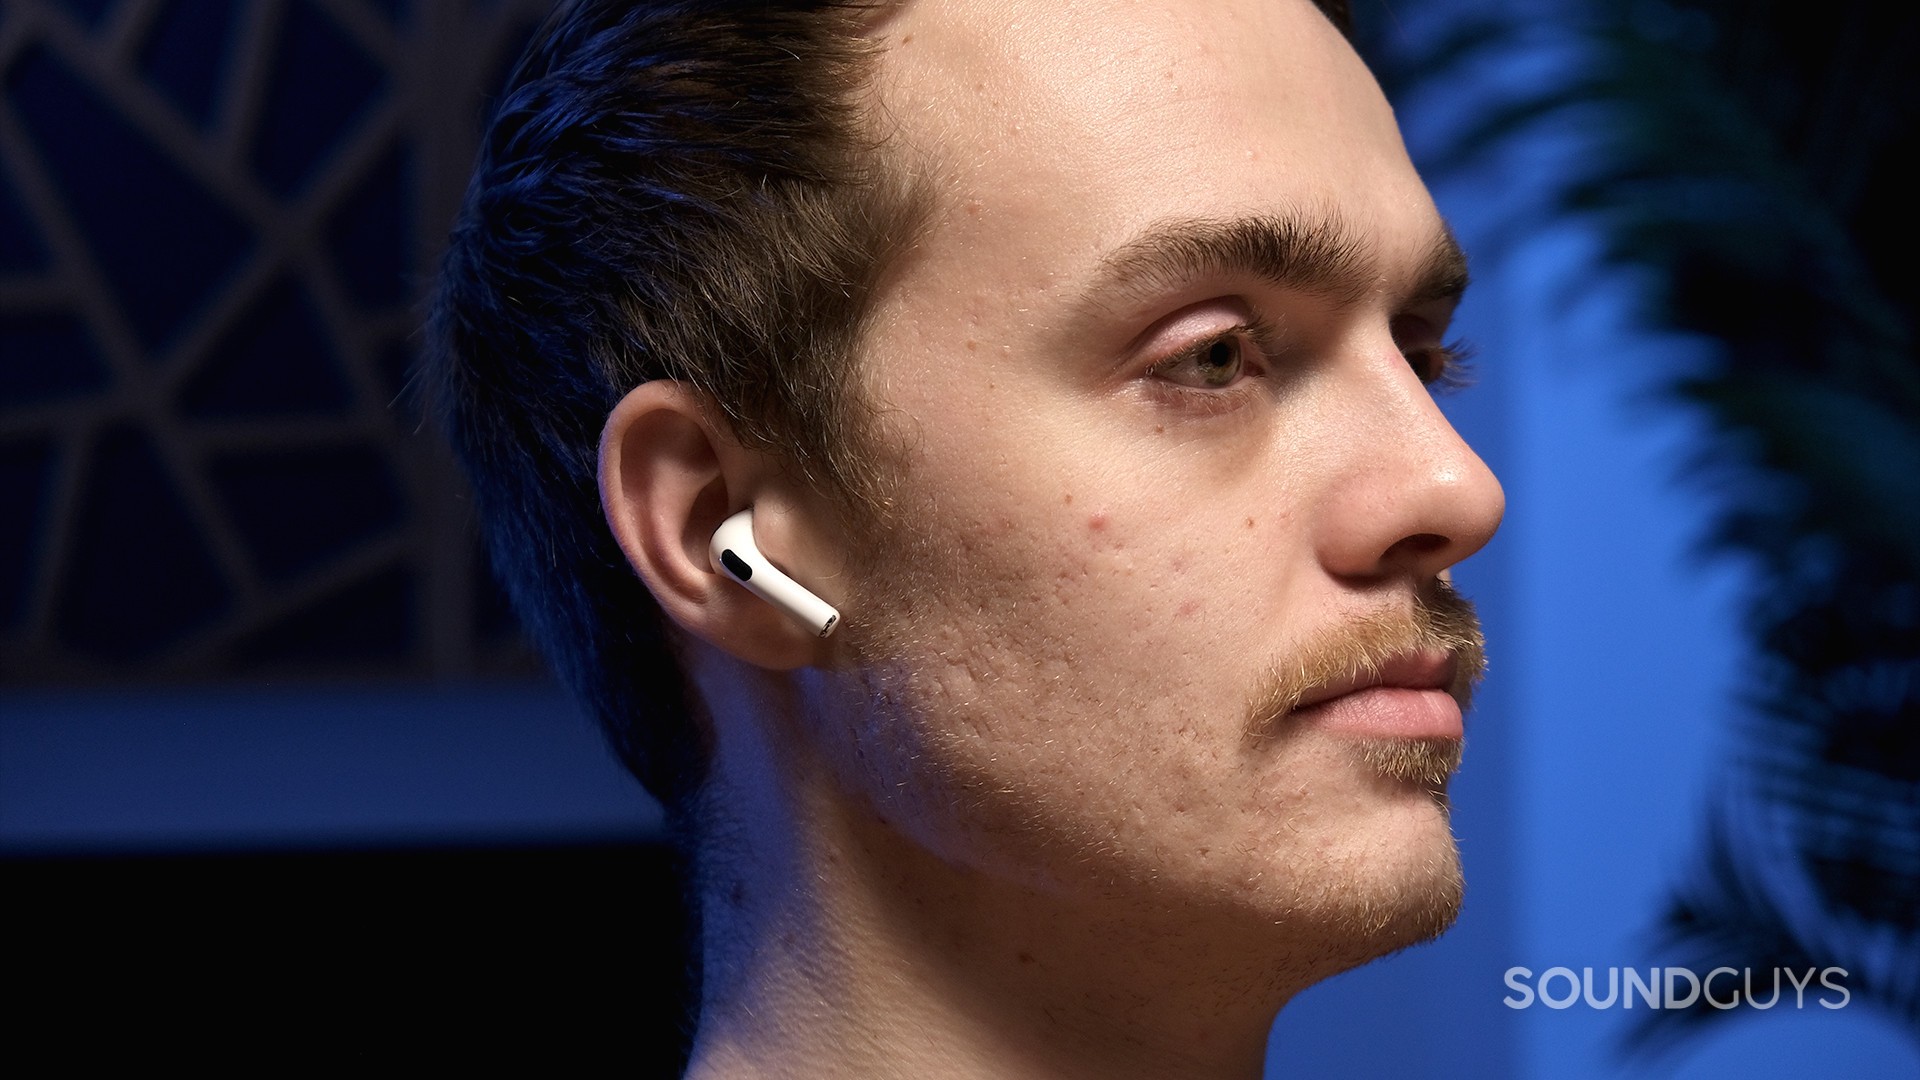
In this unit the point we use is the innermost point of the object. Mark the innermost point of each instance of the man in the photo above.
(1076, 352)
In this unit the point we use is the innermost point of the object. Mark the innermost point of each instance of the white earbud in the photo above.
(735, 554)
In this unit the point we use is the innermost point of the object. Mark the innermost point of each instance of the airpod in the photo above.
(734, 551)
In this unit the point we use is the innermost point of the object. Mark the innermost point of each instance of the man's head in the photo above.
(1159, 360)
(668, 191)
(1136, 346)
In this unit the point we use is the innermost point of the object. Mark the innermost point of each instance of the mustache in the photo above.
(1438, 620)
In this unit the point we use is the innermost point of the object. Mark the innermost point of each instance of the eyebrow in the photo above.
(1316, 254)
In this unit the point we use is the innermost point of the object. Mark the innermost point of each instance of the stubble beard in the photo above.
(1425, 763)
(1351, 922)
(1424, 899)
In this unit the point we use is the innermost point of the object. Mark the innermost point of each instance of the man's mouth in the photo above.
(1388, 674)
(1424, 670)
(1408, 696)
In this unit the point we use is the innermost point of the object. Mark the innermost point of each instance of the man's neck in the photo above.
(836, 947)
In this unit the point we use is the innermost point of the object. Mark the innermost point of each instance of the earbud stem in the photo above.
(736, 555)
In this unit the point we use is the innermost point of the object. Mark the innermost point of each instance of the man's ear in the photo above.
(669, 475)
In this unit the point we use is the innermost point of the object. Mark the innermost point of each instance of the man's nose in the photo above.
(1407, 497)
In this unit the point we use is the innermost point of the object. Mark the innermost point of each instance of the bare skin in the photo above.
(1035, 812)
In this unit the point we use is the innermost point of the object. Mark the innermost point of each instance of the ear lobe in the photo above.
(669, 476)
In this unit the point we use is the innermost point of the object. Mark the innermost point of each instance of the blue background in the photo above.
(1616, 667)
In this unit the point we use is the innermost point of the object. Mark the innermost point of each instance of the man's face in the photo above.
(1157, 367)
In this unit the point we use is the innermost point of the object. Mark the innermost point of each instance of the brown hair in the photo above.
(668, 190)
(677, 190)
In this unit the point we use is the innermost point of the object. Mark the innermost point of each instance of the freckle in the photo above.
(1159, 429)
(972, 345)
(973, 207)
(1026, 958)
(1068, 499)
(906, 39)
(1249, 523)
(1097, 522)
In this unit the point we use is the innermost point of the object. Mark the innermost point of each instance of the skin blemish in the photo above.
(1159, 429)
(1249, 523)
(1188, 609)
(1067, 498)
(972, 345)
(1097, 522)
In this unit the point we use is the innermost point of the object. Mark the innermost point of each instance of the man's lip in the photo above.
(1408, 671)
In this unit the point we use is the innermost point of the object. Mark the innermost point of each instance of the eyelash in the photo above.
(1450, 363)
(1454, 363)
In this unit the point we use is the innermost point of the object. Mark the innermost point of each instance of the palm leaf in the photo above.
(1745, 161)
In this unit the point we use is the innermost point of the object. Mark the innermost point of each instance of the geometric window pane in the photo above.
(276, 360)
(21, 248)
(87, 11)
(298, 509)
(322, 82)
(368, 235)
(369, 620)
(139, 575)
(186, 53)
(394, 10)
(163, 240)
(48, 356)
(26, 470)
(216, 223)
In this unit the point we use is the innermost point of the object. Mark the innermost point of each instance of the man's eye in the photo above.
(1442, 365)
(1210, 365)
(1445, 368)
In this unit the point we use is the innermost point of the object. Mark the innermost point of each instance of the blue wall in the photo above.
(1614, 686)
(1616, 665)
(289, 767)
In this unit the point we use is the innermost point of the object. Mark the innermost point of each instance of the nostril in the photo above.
(1416, 547)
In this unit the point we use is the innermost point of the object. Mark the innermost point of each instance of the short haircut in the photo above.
(679, 190)
(667, 190)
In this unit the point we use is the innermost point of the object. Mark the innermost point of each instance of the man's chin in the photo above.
(1408, 885)
(1427, 763)
(1416, 904)
(1431, 909)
